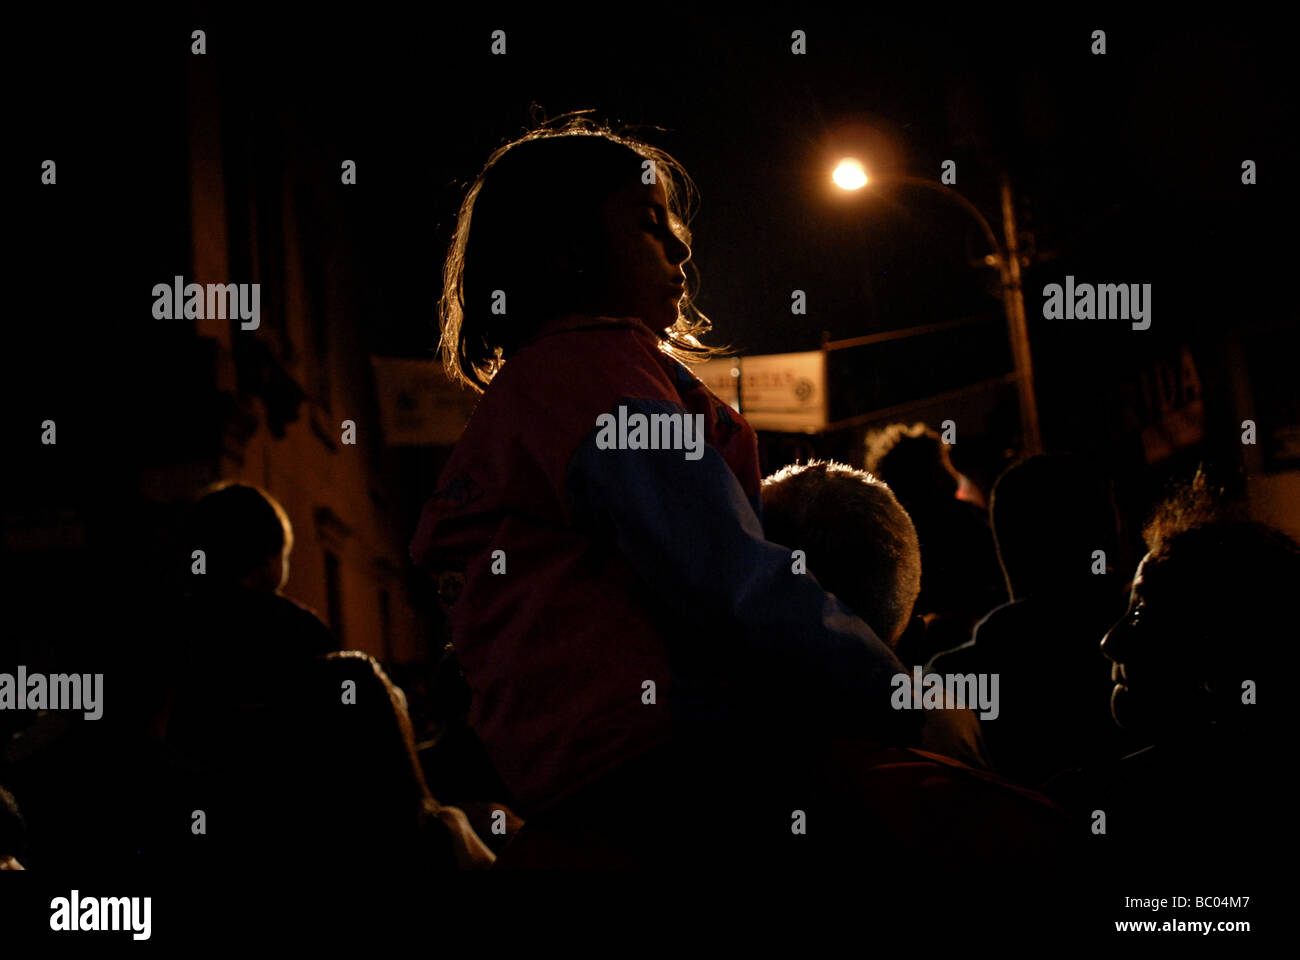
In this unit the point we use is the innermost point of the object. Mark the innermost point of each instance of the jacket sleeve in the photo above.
(687, 529)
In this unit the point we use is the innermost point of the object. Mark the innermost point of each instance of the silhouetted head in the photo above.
(350, 778)
(335, 781)
(1211, 606)
(859, 541)
(1049, 514)
(571, 218)
(914, 462)
(361, 725)
(245, 535)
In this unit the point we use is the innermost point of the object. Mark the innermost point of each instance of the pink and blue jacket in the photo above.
(622, 568)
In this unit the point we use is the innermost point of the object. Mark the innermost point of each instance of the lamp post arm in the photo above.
(965, 204)
(1008, 263)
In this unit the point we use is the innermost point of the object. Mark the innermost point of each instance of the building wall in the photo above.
(292, 382)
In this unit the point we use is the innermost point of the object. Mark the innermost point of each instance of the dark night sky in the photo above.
(1126, 167)
(1128, 161)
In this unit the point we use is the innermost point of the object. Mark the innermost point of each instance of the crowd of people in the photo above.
(659, 660)
(1155, 727)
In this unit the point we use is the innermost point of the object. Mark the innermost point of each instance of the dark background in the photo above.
(1126, 168)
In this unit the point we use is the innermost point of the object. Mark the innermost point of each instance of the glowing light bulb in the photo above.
(849, 175)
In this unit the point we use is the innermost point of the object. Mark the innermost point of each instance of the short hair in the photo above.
(859, 541)
(238, 526)
(1189, 506)
(535, 197)
(1239, 574)
(1227, 583)
(913, 460)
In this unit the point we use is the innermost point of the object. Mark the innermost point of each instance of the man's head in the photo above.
(245, 535)
(1211, 605)
(914, 462)
(859, 541)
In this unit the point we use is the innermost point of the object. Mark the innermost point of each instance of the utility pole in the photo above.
(1007, 260)
(1017, 329)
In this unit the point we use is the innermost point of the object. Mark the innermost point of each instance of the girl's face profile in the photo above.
(645, 247)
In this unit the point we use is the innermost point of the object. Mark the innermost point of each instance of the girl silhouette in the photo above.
(614, 593)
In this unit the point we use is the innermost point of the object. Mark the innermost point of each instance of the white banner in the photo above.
(418, 405)
(784, 391)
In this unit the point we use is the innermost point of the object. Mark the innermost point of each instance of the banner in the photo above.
(418, 405)
(784, 391)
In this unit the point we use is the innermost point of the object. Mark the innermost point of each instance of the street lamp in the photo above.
(850, 174)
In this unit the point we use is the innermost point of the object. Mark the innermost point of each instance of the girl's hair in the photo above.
(536, 202)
